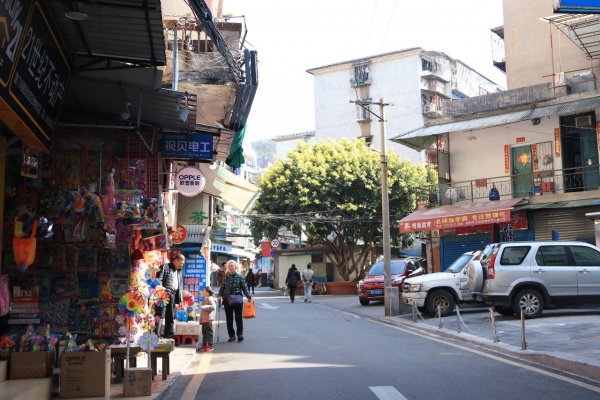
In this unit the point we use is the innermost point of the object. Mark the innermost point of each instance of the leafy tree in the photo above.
(331, 192)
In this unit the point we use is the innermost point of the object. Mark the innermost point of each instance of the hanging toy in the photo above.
(24, 249)
(108, 201)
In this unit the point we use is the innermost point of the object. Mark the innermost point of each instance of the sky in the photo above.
(291, 37)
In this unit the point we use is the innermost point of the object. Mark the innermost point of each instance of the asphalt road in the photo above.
(331, 350)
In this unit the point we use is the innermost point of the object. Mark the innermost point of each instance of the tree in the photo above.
(331, 192)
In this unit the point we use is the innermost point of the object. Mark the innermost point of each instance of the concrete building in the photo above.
(535, 145)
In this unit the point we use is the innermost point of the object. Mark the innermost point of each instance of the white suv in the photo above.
(443, 289)
(529, 275)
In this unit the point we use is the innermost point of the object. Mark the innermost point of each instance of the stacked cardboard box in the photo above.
(85, 374)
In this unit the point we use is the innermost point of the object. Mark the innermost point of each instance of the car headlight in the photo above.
(414, 287)
(359, 284)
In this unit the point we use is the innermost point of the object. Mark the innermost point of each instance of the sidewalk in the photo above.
(564, 339)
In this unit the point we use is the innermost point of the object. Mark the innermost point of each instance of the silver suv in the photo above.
(529, 275)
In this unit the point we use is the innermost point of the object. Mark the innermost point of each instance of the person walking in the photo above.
(207, 316)
(170, 277)
(307, 279)
(292, 280)
(233, 284)
(250, 280)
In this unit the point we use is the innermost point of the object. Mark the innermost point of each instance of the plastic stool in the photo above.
(183, 339)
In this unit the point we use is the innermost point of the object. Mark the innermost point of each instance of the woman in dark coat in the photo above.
(292, 280)
(250, 279)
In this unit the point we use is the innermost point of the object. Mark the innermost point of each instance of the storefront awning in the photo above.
(460, 215)
(232, 189)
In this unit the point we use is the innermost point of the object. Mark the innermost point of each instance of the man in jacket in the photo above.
(171, 278)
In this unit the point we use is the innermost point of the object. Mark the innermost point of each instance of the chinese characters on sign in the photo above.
(506, 159)
(557, 142)
(178, 235)
(480, 218)
(185, 146)
(190, 181)
(194, 275)
(220, 248)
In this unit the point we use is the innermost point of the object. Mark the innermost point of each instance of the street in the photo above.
(326, 349)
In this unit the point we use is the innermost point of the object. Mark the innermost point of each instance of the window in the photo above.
(514, 255)
(362, 112)
(552, 256)
(586, 256)
(361, 75)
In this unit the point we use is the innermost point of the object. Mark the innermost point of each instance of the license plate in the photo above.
(376, 292)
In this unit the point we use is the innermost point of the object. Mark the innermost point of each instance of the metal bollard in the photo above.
(458, 329)
(439, 314)
(493, 320)
(414, 311)
(523, 342)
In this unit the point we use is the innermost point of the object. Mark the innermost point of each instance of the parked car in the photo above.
(444, 289)
(530, 275)
(371, 286)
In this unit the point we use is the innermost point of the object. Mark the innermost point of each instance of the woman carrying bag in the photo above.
(230, 295)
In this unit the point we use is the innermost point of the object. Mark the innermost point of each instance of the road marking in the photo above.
(268, 306)
(387, 393)
(194, 386)
(497, 358)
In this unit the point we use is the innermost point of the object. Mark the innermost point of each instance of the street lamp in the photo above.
(391, 295)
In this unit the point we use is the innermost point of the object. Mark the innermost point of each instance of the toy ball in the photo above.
(181, 316)
(190, 309)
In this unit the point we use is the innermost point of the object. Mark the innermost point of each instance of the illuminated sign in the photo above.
(190, 181)
(181, 146)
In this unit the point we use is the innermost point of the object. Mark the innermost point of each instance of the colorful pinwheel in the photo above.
(148, 341)
(131, 304)
(161, 298)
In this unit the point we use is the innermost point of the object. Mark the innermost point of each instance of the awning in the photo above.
(460, 215)
(232, 189)
(582, 29)
(422, 138)
(560, 204)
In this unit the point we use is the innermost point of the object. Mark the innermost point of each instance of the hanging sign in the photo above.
(34, 71)
(190, 181)
(178, 235)
(182, 146)
(194, 276)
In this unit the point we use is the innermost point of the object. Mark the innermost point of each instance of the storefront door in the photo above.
(522, 171)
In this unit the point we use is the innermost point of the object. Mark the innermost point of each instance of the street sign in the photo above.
(275, 243)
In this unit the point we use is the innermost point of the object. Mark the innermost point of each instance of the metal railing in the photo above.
(530, 184)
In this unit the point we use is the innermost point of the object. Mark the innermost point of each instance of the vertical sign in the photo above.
(557, 142)
(34, 71)
(598, 134)
(506, 159)
(534, 156)
(194, 275)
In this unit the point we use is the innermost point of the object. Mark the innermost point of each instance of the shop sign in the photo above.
(34, 71)
(181, 146)
(557, 142)
(178, 235)
(220, 248)
(190, 181)
(194, 275)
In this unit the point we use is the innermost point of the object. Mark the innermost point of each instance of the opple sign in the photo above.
(190, 181)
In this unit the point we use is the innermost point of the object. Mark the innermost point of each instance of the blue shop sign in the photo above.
(187, 146)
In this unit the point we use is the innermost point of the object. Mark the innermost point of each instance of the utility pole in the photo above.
(391, 294)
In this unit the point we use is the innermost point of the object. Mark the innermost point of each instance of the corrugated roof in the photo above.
(422, 138)
(560, 204)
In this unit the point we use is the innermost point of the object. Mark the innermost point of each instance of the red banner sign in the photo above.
(557, 142)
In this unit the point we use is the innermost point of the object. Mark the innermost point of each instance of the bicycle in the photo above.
(319, 287)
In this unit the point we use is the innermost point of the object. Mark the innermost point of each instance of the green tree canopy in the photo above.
(331, 192)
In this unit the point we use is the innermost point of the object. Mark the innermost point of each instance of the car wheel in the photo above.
(440, 298)
(475, 276)
(364, 302)
(506, 311)
(530, 301)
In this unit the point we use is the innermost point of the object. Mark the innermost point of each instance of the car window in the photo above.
(397, 268)
(548, 256)
(459, 264)
(586, 256)
(514, 255)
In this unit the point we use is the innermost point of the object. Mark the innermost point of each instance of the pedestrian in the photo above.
(233, 284)
(221, 274)
(170, 277)
(207, 316)
(307, 279)
(292, 280)
(250, 280)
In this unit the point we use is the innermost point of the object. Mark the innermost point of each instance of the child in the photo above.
(207, 316)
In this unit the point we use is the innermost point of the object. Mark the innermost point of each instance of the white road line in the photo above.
(387, 393)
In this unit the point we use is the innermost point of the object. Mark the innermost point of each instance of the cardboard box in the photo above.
(85, 374)
(31, 364)
(187, 328)
(137, 382)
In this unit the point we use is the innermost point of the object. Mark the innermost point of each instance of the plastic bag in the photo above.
(249, 310)
(286, 293)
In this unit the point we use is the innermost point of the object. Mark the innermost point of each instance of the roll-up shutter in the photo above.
(453, 247)
(571, 223)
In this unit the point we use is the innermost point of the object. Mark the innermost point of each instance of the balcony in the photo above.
(551, 182)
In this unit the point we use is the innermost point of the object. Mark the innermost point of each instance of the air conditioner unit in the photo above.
(430, 108)
(436, 86)
(584, 122)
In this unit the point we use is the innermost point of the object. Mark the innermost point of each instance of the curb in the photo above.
(560, 361)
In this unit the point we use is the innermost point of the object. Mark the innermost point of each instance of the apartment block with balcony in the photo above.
(536, 144)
